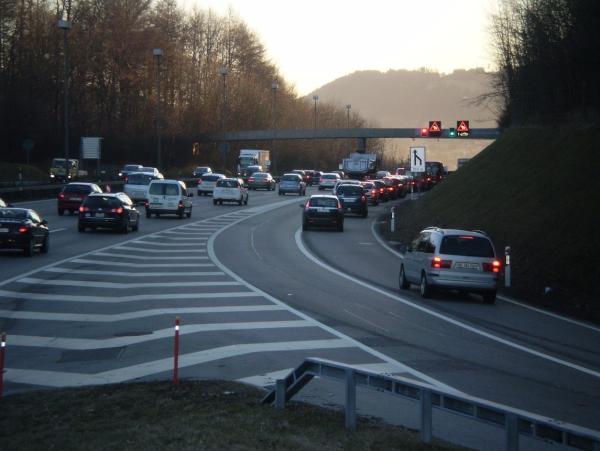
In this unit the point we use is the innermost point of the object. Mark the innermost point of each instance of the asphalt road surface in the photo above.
(256, 296)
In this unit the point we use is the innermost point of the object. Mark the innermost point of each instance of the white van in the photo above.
(230, 190)
(136, 186)
(168, 197)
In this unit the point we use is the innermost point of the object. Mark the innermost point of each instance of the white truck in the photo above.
(253, 157)
(359, 165)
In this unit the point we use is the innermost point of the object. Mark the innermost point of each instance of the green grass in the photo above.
(537, 191)
(193, 415)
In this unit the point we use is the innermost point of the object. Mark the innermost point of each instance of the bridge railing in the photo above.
(516, 423)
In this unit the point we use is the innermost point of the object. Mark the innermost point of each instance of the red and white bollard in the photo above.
(176, 354)
(2, 352)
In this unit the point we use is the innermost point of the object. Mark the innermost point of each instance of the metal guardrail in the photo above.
(515, 422)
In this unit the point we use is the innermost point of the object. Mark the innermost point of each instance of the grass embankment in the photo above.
(193, 415)
(537, 191)
(9, 172)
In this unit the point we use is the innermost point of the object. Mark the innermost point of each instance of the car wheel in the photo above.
(246, 201)
(80, 228)
(136, 227)
(189, 213)
(404, 284)
(125, 226)
(148, 213)
(240, 201)
(340, 227)
(280, 193)
(180, 213)
(365, 213)
(28, 249)
(424, 287)
(489, 297)
(45, 245)
(61, 212)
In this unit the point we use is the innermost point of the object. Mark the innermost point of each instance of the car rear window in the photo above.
(140, 179)
(228, 183)
(324, 202)
(350, 190)
(10, 213)
(132, 167)
(210, 178)
(79, 189)
(329, 176)
(102, 201)
(260, 175)
(165, 189)
(466, 245)
(290, 178)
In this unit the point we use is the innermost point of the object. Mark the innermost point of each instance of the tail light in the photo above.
(363, 198)
(307, 205)
(251, 179)
(146, 204)
(340, 209)
(199, 182)
(382, 190)
(23, 229)
(492, 267)
(126, 179)
(438, 263)
(180, 204)
(83, 209)
(391, 188)
(373, 192)
(118, 211)
(61, 196)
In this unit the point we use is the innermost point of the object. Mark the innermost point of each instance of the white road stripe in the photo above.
(66, 379)
(100, 318)
(178, 232)
(121, 285)
(140, 265)
(139, 257)
(435, 314)
(120, 299)
(82, 344)
(57, 230)
(158, 251)
(93, 272)
(196, 242)
(175, 238)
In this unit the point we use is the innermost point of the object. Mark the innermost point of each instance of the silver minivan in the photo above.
(136, 186)
(168, 197)
(451, 259)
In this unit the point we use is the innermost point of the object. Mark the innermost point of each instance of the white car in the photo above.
(207, 182)
(168, 197)
(230, 190)
(136, 186)
(328, 180)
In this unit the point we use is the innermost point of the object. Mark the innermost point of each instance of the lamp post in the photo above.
(348, 107)
(274, 88)
(316, 99)
(224, 71)
(65, 25)
(157, 54)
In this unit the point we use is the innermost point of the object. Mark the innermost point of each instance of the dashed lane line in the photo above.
(139, 265)
(92, 272)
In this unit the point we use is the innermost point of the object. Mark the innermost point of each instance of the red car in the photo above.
(73, 194)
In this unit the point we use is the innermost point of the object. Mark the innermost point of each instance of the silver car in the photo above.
(451, 259)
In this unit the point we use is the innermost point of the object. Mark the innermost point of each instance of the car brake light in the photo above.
(363, 198)
(61, 196)
(180, 205)
(438, 263)
(126, 179)
(23, 229)
(250, 179)
(83, 209)
(373, 192)
(199, 182)
(307, 205)
(492, 267)
(118, 211)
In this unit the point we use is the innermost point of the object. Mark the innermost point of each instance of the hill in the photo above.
(401, 98)
(537, 191)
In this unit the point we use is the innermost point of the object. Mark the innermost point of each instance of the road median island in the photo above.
(191, 415)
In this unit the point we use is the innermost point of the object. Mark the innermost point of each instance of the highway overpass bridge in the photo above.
(360, 134)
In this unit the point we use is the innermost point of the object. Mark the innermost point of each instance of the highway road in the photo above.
(256, 296)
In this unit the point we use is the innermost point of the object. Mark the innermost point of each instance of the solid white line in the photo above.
(196, 243)
(158, 251)
(82, 344)
(134, 274)
(138, 257)
(66, 379)
(366, 321)
(168, 239)
(177, 232)
(119, 285)
(100, 318)
(57, 230)
(442, 317)
(501, 297)
(119, 299)
(141, 265)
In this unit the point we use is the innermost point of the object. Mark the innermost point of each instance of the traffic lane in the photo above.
(66, 242)
(262, 251)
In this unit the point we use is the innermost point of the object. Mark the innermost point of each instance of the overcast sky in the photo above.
(313, 42)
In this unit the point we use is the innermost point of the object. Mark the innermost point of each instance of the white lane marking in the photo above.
(92, 272)
(139, 257)
(400, 366)
(366, 321)
(119, 299)
(501, 297)
(67, 379)
(140, 265)
(262, 380)
(157, 251)
(197, 242)
(252, 243)
(180, 232)
(121, 285)
(57, 230)
(82, 344)
(168, 239)
(442, 317)
(101, 318)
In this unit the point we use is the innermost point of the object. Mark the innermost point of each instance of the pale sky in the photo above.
(313, 42)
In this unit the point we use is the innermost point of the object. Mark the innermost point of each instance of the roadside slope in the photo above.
(537, 191)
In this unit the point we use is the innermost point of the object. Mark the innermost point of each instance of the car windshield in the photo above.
(13, 213)
(102, 202)
(466, 245)
(140, 179)
(165, 189)
(323, 202)
(78, 189)
(290, 178)
(225, 183)
(350, 190)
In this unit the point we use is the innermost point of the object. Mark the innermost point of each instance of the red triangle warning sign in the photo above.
(463, 127)
(435, 126)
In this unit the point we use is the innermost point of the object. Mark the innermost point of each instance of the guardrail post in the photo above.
(280, 394)
(426, 416)
(512, 432)
(350, 422)
(2, 351)
(393, 221)
(507, 267)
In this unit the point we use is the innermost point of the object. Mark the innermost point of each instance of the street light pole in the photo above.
(224, 71)
(274, 88)
(65, 25)
(315, 98)
(158, 53)
(348, 106)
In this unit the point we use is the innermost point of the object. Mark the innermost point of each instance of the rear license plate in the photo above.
(3, 230)
(466, 265)
(99, 215)
(76, 198)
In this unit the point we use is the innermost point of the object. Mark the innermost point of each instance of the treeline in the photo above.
(547, 53)
(113, 84)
